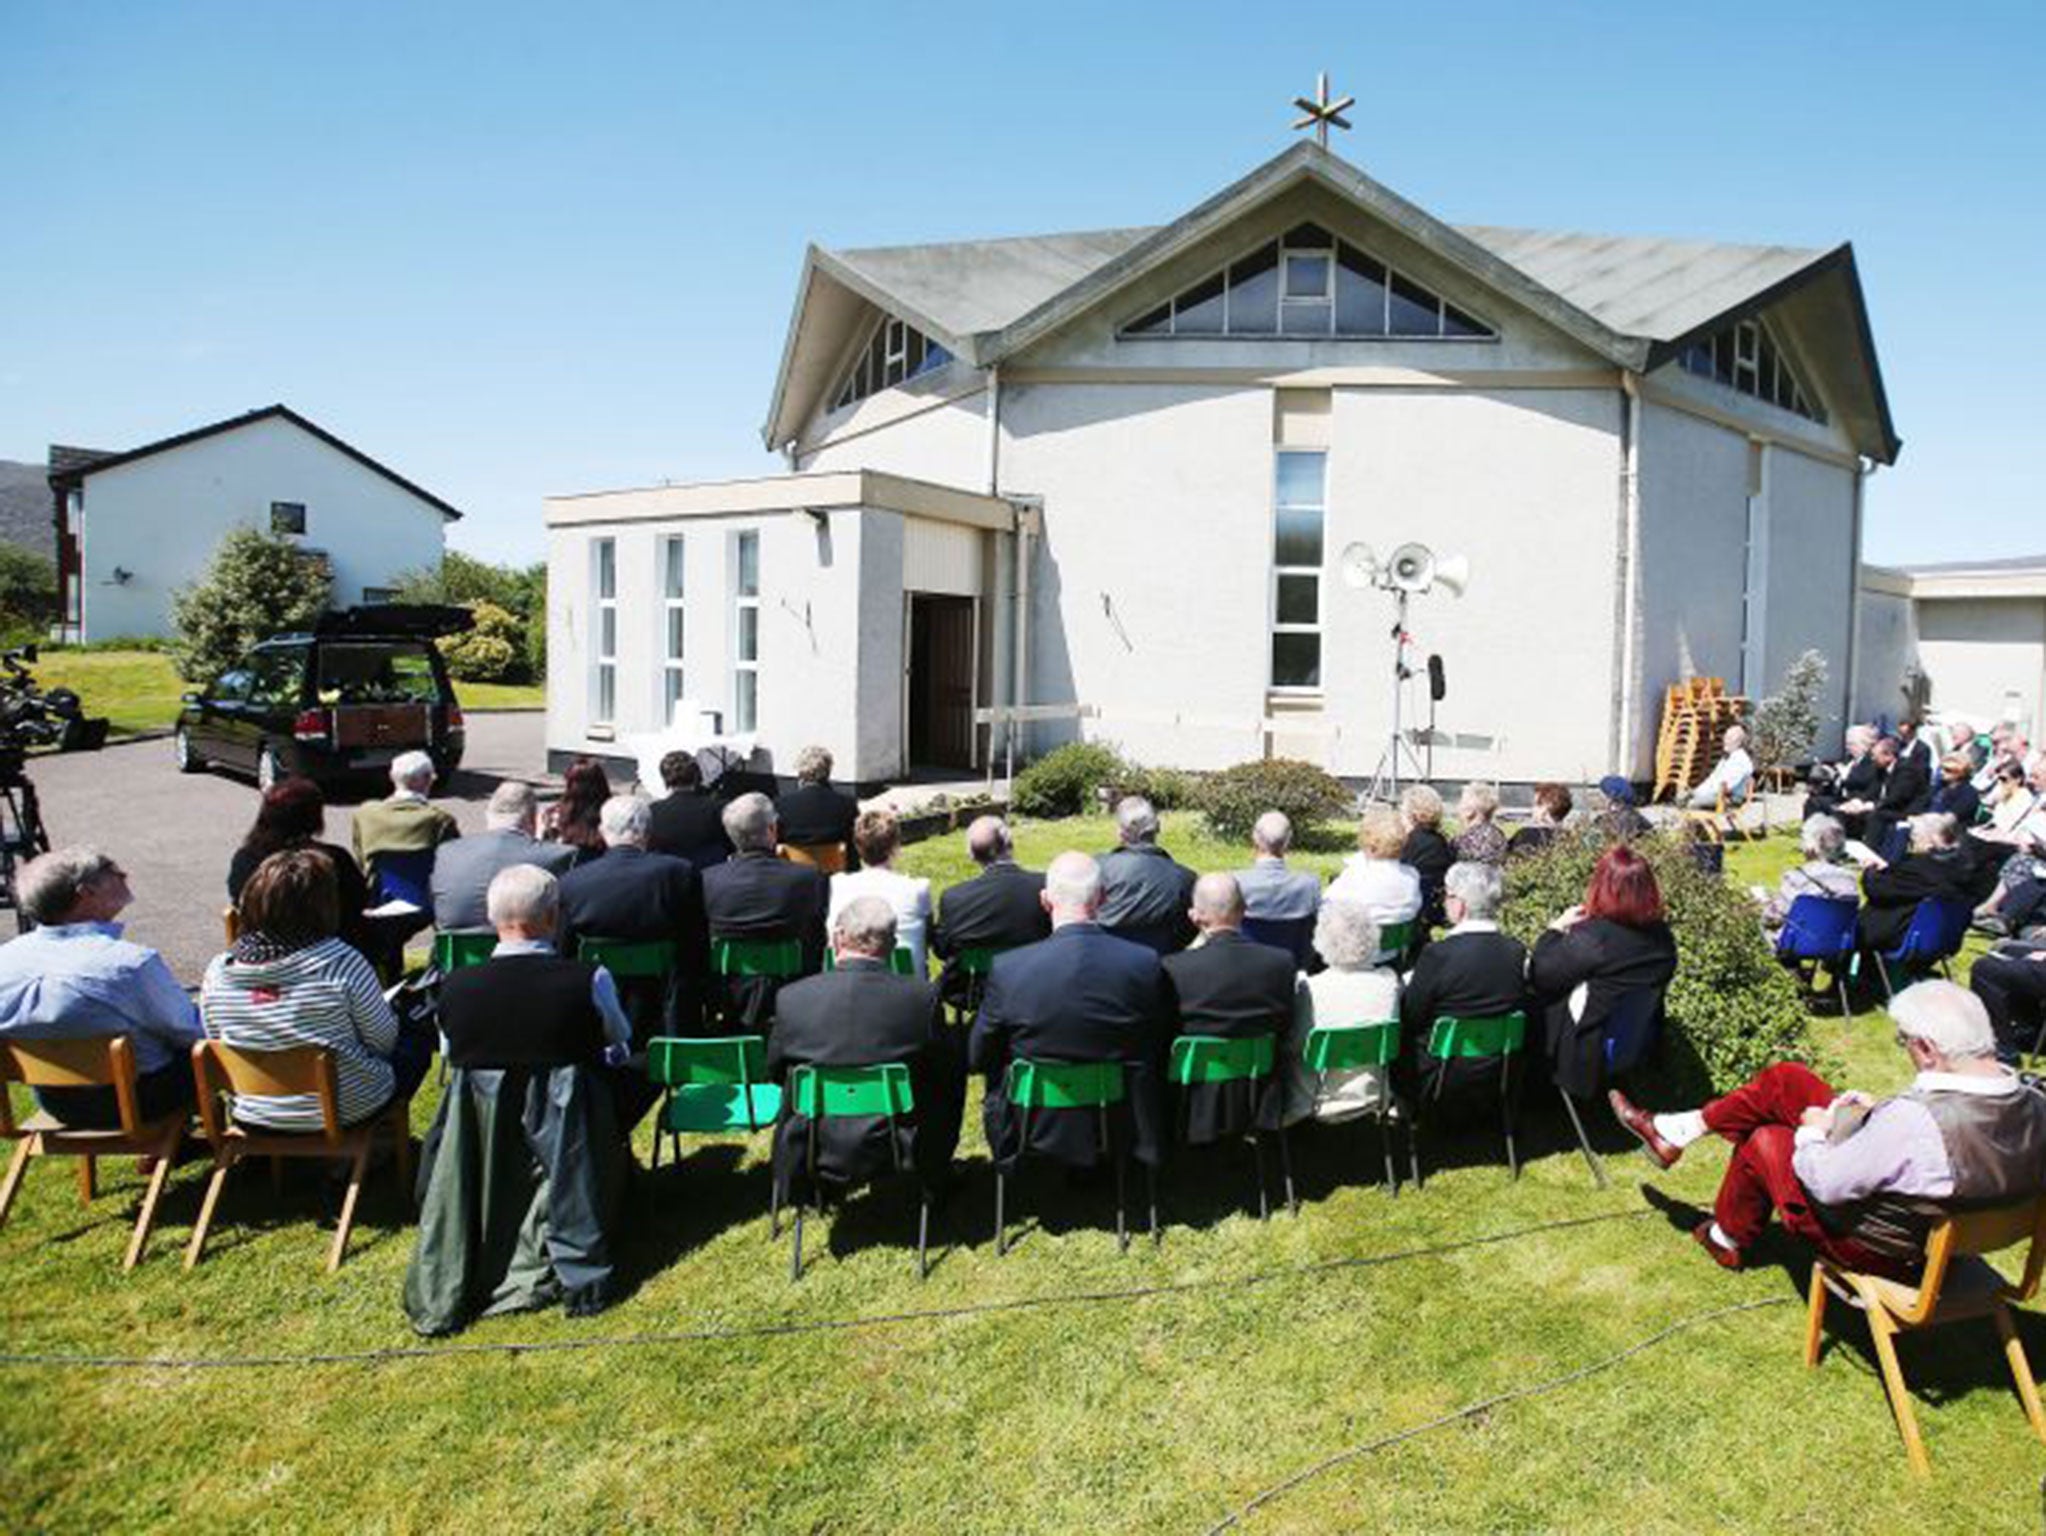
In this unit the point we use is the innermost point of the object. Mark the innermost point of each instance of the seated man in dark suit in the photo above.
(1471, 972)
(1857, 777)
(1934, 868)
(1144, 893)
(1000, 908)
(817, 818)
(755, 895)
(1236, 988)
(1902, 790)
(862, 1015)
(632, 893)
(688, 821)
(464, 866)
(1080, 995)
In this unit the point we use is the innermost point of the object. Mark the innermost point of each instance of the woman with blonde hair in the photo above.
(878, 837)
(1374, 878)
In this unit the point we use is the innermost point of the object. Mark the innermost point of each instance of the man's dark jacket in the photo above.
(1479, 975)
(997, 909)
(862, 1015)
(690, 824)
(1891, 895)
(1234, 987)
(631, 893)
(1081, 995)
(811, 814)
(756, 895)
(1145, 896)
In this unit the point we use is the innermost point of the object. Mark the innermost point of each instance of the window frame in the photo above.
(673, 578)
(603, 605)
(743, 602)
(1753, 349)
(885, 343)
(1274, 626)
(287, 511)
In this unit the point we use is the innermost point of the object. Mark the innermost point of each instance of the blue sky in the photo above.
(514, 249)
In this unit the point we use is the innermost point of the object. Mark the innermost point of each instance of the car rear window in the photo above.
(377, 672)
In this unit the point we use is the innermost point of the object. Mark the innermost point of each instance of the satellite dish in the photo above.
(1454, 574)
(1411, 568)
(1359, 566)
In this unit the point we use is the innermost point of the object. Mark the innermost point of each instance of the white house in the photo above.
(1971, 633)
(1110, 477)
(134, 527)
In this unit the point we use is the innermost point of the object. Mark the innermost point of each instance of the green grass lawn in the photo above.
(1076, 1412)
(139, 690)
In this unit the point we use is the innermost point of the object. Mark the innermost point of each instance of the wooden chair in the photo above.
(1958, 1284)
(828, 858)
(1723, 822)
(302, 1069)
(108, 1062)
(231, 923)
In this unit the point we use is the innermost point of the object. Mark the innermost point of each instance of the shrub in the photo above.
(1233, 799)
(1732, 1009)
(1787, 722)
(1168, 789)
(257, 584)
(489, 653)
(28, 591)
(1066, 780)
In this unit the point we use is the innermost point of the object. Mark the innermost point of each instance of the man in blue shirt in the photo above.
(75, 977)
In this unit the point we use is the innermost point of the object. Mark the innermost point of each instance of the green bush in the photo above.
(519, 592)
(490, 652)
(1168, 789)
(1234, 798)
(28, 593)
(1066, 781)
(258, 584)
(1732, 1009)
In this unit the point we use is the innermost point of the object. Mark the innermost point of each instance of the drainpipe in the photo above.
(1629, 568)
(1863, 468)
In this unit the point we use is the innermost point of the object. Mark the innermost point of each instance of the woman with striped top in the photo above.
(289, 981)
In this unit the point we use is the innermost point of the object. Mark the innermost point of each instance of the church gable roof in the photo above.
(1633, 300)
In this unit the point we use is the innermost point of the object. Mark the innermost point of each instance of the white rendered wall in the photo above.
(1888, 645)
(162, 517)
(1977, 650)
(1812, 573)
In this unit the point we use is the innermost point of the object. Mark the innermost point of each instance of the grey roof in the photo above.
(2009, 563)
(982, 285)
(26, 508)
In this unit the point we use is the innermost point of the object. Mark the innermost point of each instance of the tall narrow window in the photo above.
(671, 602)
(746, 632)
(1300, 502)
(604, 558)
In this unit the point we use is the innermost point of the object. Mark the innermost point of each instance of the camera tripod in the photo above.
(22, 834)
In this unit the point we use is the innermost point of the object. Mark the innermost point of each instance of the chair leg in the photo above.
(356, 1170)
(1257, 1153)
(773, 1200)
(1846, 1008)
(1151, 1189)
(1598, 1170)
(1286, 1169)
(1122, 1220)
(796, 1249)
(17, 1169)
(923, 1231)
(1001, 1218)
(146, 1217)
(1889, 992)
(198, 1243)
(88, 1169)
(1815, 1321)
(1506, 1116)
(1883, 1331)
(2020, 1369)
(1392, 1181)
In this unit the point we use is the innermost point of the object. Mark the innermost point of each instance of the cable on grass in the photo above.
(730, 1332)
(1278, 1490)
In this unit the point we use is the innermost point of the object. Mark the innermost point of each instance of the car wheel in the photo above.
(188, 758)
(269, 770)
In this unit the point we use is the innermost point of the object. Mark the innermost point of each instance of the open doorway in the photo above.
(943, 646)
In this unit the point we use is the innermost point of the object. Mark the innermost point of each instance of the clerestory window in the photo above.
(895, 351)
(1745, 356)
(1309, 284)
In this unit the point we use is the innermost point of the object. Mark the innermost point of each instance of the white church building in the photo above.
(1109, 478)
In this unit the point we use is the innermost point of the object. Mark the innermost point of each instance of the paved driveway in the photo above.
(174, 833)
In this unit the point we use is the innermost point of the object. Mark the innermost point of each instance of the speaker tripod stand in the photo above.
(1385, 778)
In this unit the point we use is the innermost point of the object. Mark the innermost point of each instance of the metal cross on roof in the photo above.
(1320, 111)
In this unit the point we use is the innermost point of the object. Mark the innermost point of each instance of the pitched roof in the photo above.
(2029, 564)
(81, 463)
(1632, 299)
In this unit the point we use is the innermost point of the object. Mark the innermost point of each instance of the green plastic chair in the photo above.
(901, 960)
(1348, 1048)
(1097, 1085)
(976, 965)
(1393, 938)
(779, 958)
(712, 1086)
(459, 947)
(1482, 1039)
(630, 959)
(824, 1093)
(1224, 1059)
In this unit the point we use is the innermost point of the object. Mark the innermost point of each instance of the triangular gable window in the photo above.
(1746, 357)
(895, 351)
(1313, 285)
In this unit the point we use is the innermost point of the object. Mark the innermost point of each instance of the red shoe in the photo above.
(1724, 1257)
(1642, 1125)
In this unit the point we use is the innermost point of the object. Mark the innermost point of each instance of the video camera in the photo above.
(32, 718)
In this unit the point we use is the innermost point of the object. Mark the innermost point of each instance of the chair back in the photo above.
(1503, 1034)
(629, 958)
(826, 858)
(1294, 935)
(221, 1068)
(104, 1061)
(980, 961)
(1063, 1084)
(822, 1093)
(231, 923)
(1394, 939)
(777, 957)
(1348, 1047)
(714, 1084)
(1937, 930)
(1632, 1029)
(1988, 1229)
(1818, 928)
(403, 875)
(460, 947)
(1222, 1058)
(901, 960)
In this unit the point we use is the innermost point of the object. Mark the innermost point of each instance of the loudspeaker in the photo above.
(1438, 682)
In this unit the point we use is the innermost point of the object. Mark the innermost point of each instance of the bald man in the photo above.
(1234, 987)
(1000, 908)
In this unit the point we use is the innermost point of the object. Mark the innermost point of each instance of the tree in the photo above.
(258, 584)
(1787, 722)
(489, 653)
(516, 590)
(28, 592)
